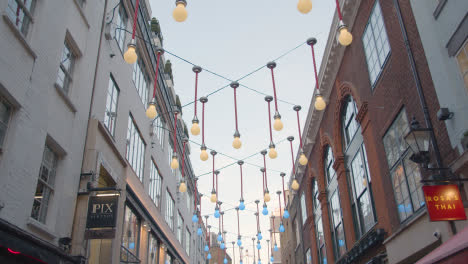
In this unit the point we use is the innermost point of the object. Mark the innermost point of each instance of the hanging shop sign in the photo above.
(102, 211)
(444, 202)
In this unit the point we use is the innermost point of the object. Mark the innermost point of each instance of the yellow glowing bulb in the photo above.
(345, 38)
(278, 125)
(272, 153)
(130, 55)
(304, 6)
(180, 13)
(213, 198)
(303, 160)
(236, 143)
(266, 197)
(195, 129)
(182, 187)
(204, 155)
(174, 163)
(320, 103)
(295, 185)
(151, 112)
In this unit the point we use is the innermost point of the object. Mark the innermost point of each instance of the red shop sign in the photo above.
(444, 202)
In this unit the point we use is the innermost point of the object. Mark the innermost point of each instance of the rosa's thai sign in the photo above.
(444, 202)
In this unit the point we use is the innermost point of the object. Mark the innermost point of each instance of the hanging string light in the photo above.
(213, 197)
(259, 259)
(266, 192)
(223, 244)
(272, 154)
(294, 184)
(320, 103)
(203, 154)
(209, 242)
(345, 38)
(281, 227)
(195, 212)
(241, 203)
(274, 237)
(278, 125)
(241, 255)
(130, 56)
(271, 257)
(180, 13)
(175, 162)
(302, 157)
(220, 237)
(257, 214)
(207, 247)
(286, 213)
(233, 252)
(151, 111)
(182, 185)
(239, 241)
(304, 6)
(253, 244)
(237, 142)
(195, 130)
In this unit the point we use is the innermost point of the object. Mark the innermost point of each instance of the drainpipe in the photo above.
(422, 98)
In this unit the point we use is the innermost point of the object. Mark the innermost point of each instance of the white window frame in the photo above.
(188, 237)
(303, 208)
(67, 72)
(5, 120)
(20, 14)
(110, 116)
(180, 227)
(135, 149)
(120, 33)
(155, 184)
(140, 80)
(170, 205)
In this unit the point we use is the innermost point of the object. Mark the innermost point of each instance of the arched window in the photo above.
(359, 177)
(337, 230)
(321, 248)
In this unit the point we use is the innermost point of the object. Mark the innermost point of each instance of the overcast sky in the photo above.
(233, 38)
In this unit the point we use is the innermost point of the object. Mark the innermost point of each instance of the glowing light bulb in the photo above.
(241, 206)
(216, 213)
(225, 261)
(236, 143)
(180, 13)
(319, 103)
(130, 56)
(182, 187)
(275, 248)
(239, 242)
(259, 236)
(303, 159)
(194, 218)
(223, 246)
(286, 214)
(304, 6)
(199, 231)
(207, 248)
(345, 38)
(220, 237)
(213, 197)
(295, 185)
(174, 163)
(204, 155)
(151, 112)
(278, 125)
(209, 256)
(259, 262)
(265, 210)
(241, 262)
(266, 197)
(259, 246)
(272, 153)
(195, 130)
(272, 259)
(281, 228)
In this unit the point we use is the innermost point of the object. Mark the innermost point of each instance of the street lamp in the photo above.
(418, 139)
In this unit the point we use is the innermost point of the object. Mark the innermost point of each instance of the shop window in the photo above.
(153, 249)
(130, 235)
(462, 60)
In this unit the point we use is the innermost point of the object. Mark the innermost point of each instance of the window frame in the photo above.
(155, 189)
(133, 134)
(137, 230)
(120, 34)
(27, 12)
(5, 124)
(68, 73)
(188, 237)
(170, 206)
(112, 119)
(141, 80)
(180, 228)
(303, 209)
(464, 74)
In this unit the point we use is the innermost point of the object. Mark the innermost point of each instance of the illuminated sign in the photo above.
(444, 202)
(102, 211)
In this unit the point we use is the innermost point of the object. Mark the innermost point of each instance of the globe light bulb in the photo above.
(265, 210)
(223, 246)
(194, 218)
(266, 197)
(182, 187)
(319, 103)
(151, 112)
(345, 38)
(275, 248)
(278, 125)
(239, 242)
(209, 256)
(195, 130)
(272, 259)
(220, 237)
(281, 228)
(303, 160)
(286, 214)
(304, 6)
(199, 231)
(216, 213)
(213, 197)
(236, 143)
(130, 56)
(241, 262)
(207, 248)
(225, 261)
(180, 13)
(259, 246)
(204, 155)
(295, 185)
(272, 153)
(259, 236)
(174, 163)
(241, 206)
(259, 262)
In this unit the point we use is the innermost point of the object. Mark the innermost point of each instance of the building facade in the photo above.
(74, 131)
(360, 198)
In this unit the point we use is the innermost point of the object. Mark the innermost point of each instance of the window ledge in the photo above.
(439, 8)
(42, 228)
(65, 98)
(110, 140)
(80, 10)
(19, 36)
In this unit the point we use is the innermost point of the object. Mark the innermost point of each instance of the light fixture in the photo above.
(241, 204)
(257, 214)
(319, 102)
(216, 213)
(285, 213)
(199, 231)
(418, 139)
(195, 130)
(265, 209)
(130, 56)
(304, 6)
(237, 142)
(295, 185)
(302, 158)
(208, 256)
(213, 197)
(266, 193)
(203, 154)
(180, 13)
(272, 153)
(266, 196)
(239, 241)
(175, 162)
(182, 186)
(278, 125)
(345, 38)
(195, 217)
(151, 111)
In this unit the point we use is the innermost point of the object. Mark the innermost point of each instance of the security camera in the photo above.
(436, 234)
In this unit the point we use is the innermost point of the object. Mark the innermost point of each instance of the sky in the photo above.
(233, 38)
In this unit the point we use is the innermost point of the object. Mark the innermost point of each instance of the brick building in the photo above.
(360, 197)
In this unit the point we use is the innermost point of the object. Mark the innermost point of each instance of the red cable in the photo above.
(196, 89)
(156, 75)
(338, 10)
(217, 186)
(315, 68)
(269, 121)
(203, 123)
(279, 201)
(292, 158)
(299, 127)
(175, 131)
(235, 107)
(213, 173)
(135, 18)
(263, 181)
(266, 178)
(258, 222)
(273, 219)
(242, 185)
(284, 195)
(274, 89)
(183, 159)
